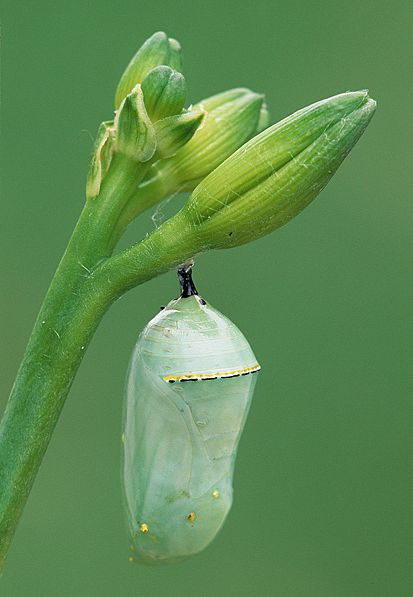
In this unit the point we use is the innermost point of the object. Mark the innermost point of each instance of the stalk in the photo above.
(71, 311)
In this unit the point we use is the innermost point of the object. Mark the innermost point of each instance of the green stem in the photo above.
(68, 318)
(172, 244)
(161, 182)
(52, 357)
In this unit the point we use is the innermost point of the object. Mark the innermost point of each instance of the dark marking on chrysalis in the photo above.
(209, 376)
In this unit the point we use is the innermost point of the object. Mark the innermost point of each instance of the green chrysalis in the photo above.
(189, 388)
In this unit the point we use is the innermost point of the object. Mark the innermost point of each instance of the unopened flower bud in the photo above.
(135, 134)
(264, 119)
(156, 50)
(231, 119)
(175, 55)
(175, 131)
(164, 92)
(275, 175)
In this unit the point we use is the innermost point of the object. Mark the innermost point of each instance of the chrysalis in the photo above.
(189, 388)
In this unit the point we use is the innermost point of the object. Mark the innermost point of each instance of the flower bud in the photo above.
(175, 131)
(135, 134)
(231, 119)
(164, 92)
(156, 50)
(264, 119)
(101, 159)
(275, 175)
(175, 55)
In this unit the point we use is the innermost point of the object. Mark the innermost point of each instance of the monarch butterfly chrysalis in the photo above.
(188, 392)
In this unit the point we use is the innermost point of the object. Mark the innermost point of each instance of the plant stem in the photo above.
(72, 309)
(161, 182)
(166, 247)
(52, 357)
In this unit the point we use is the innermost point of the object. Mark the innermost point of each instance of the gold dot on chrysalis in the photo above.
(144, 528)
(131, 559)
(215, 494)
(191, 516)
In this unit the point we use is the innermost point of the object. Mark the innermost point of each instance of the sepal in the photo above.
(101, 159)
(175, 131)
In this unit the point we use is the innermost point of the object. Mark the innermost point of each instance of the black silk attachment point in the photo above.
(188, 287)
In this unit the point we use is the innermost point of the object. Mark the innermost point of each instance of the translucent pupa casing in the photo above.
(189, 389)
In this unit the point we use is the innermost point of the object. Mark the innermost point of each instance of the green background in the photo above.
(323, 485)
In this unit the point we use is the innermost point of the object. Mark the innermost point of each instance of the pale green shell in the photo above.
(180, 438)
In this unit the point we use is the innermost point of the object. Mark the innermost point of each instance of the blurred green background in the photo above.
(323, 486)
